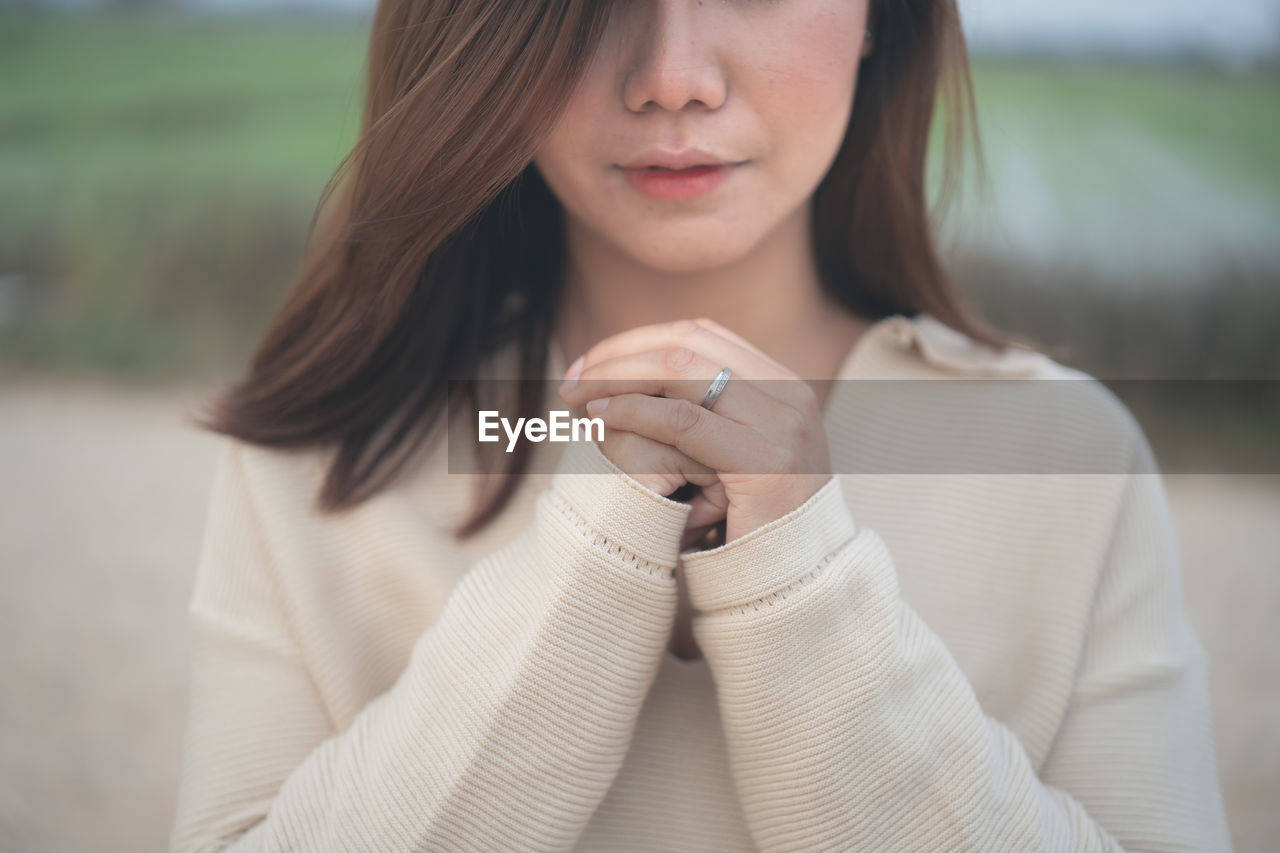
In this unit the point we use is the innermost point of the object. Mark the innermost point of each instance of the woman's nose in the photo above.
(675, 59)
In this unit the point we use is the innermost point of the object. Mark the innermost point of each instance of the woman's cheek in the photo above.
(810, 74)
(819, 55)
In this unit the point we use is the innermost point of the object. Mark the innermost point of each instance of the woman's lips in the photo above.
(676, 184)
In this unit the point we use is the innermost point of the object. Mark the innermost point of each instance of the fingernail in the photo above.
(597, 405)
(575, 369)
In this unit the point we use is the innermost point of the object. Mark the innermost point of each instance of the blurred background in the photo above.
(159, 164)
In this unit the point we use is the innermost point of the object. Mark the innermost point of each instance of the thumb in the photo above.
(711, 504)
(705, 513)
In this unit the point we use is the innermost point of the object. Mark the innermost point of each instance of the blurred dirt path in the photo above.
(103, 491)
(102, 499)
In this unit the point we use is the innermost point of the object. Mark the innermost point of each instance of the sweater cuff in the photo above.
(773, 556)
(614, 504)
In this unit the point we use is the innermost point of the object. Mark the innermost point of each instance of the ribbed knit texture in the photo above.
(985, 662)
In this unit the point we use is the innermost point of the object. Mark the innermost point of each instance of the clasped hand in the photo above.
(758, 454)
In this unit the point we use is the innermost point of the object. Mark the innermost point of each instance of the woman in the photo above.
(705, 631)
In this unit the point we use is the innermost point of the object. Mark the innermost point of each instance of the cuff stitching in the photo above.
(782, 593)
(597, 539)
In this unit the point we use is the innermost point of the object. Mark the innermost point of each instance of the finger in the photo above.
(704, 436)
(703, 516)
(658, 466)
(678, 372)
(715, 495)
(708, 509)
(705, 512)
(718, 346)
(746, 360)
(693, 535)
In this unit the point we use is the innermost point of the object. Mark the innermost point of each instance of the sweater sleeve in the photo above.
(851, 727)
(506, 727)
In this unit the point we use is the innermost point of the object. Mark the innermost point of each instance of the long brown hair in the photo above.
(437, 222)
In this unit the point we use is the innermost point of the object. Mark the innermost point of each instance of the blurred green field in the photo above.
(1226, 123)
(158, 172)
(171, 104)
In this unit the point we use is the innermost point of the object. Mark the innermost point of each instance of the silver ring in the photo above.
(717, 386)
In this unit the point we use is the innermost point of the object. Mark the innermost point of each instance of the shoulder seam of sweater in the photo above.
(244, 631)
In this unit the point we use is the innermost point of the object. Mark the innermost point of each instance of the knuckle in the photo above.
(678, 358)
(667, 464)
(793, 422)
(809, 401)
(684, 327)
(684, 416)
(779, 460)
(626, 442)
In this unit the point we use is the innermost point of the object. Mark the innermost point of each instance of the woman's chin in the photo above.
(685, 256)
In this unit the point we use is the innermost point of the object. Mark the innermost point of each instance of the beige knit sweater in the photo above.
(984, 662)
